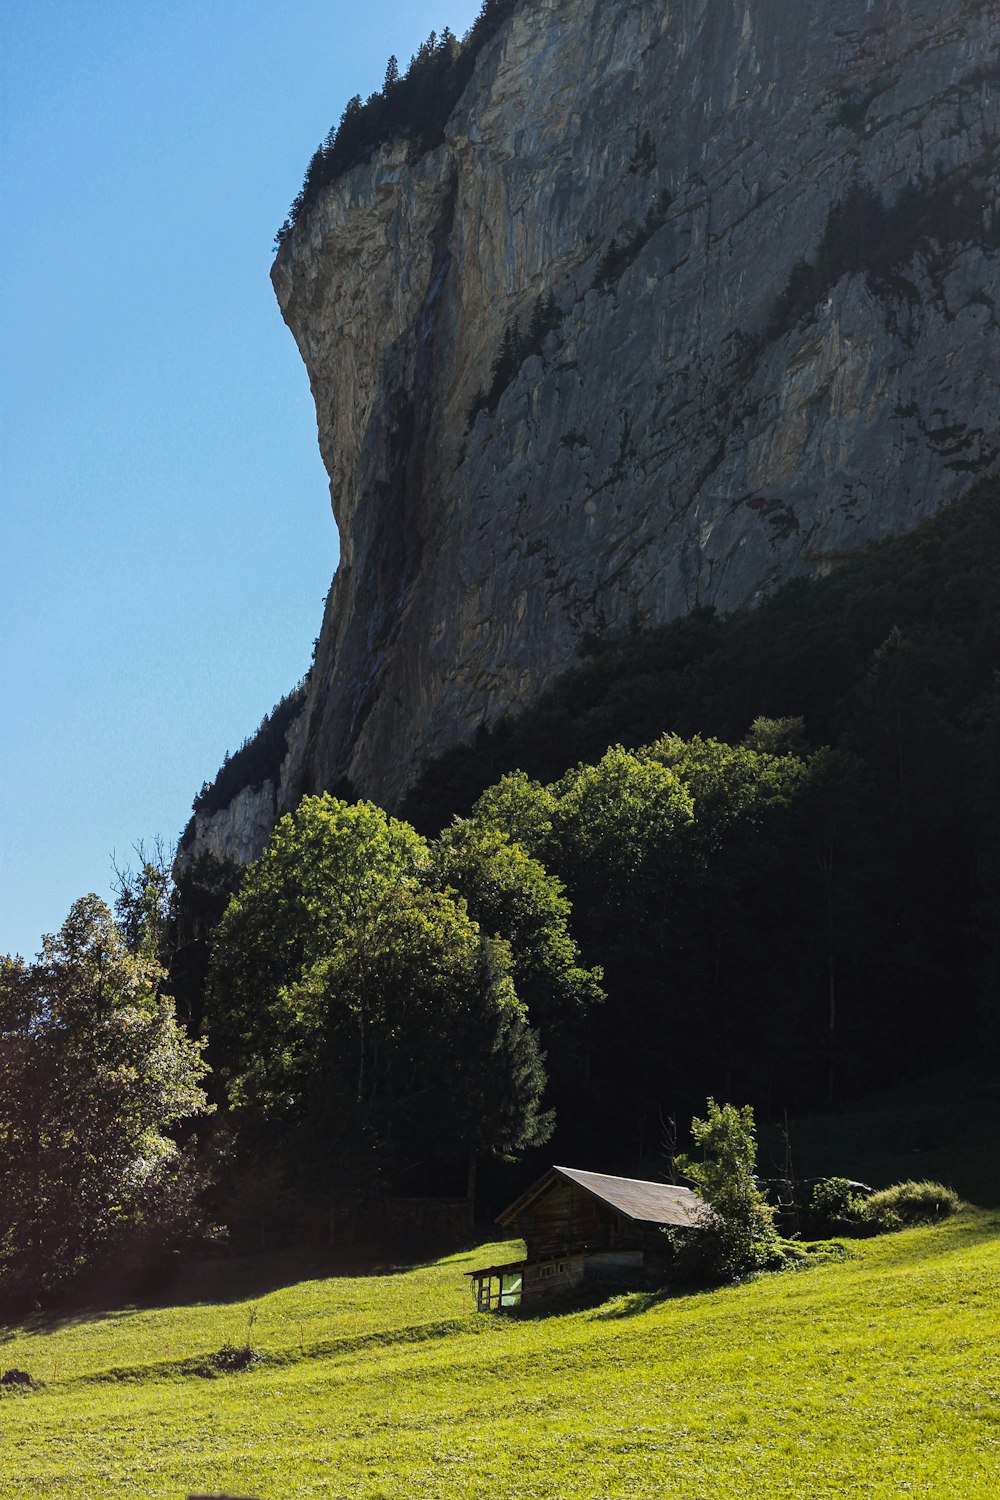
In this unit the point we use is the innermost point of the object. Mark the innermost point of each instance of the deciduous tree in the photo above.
(740, 1236)
(363, 1012)
(94, 1071)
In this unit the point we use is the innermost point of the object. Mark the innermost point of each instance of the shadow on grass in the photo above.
(600, 1301)
(193, 1280)
(970, 1227)
(631, 1304)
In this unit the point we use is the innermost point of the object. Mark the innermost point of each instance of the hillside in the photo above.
(875, 1375)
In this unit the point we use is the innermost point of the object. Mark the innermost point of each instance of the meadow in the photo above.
(875, 1375)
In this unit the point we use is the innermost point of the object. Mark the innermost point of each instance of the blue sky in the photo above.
(165, 526)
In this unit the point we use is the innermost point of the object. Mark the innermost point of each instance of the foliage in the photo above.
(202, 889)
(329, 874)
(865, 234)
(799, 1255)
(681, 861)
(948, 1121)
(842, 860)
(802, 653)
(232, 1358)
(739, 1237)
(515, 347)
(776, 1388)
(257, 760)
(414, 106)
(358, 1010)
(511, 896)
(142, 900)
(835, 1204)
(909, 1203)
(93, 1071)
(168, 909)
(619, 254)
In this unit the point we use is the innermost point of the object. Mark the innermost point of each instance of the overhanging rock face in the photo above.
(770, 237)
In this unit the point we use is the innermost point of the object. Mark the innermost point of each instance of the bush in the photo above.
(909, 1203)
(835, 1205)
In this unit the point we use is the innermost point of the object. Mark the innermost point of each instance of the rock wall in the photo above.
(772, 236)
(237, 832)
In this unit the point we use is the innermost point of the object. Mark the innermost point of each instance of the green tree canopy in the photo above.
(364, 1013)
(682, 860)
(94, 1069)
(325, 883)
(741, 1234)
(511, 895)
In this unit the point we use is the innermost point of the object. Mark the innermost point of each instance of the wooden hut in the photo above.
(585, 1226)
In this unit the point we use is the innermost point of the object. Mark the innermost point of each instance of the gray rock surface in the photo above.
(792, 348)
(237, 832)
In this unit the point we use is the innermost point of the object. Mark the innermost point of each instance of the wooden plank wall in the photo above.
(565, 1219)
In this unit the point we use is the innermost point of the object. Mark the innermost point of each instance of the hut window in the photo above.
(510, 1289)
(503, 1290)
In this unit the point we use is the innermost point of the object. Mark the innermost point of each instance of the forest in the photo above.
(413, 106)
(755, 857)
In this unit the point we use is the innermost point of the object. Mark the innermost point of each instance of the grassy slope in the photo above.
(877, 1376)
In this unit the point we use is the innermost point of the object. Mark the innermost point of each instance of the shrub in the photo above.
(835, 1205)
(909, 1203)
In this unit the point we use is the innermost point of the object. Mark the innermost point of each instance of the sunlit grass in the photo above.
(877, 1376)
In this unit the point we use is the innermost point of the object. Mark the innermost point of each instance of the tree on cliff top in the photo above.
(414, 106)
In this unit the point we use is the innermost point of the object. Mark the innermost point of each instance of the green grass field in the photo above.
(875, 1376)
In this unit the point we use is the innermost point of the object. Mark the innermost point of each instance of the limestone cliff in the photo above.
(770, 234)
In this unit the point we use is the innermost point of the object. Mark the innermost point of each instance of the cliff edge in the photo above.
(693, 297)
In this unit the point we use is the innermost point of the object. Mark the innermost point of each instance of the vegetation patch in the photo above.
(876, 755)
(908, 1203)
(414, 106)
(805, 651)
(230, 1360)
(257, 760)
(620, 253)
(515, 347)
(865, 234)
(800, 1255)
(836, 1205)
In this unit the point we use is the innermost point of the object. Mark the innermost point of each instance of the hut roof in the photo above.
(642, 1202)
